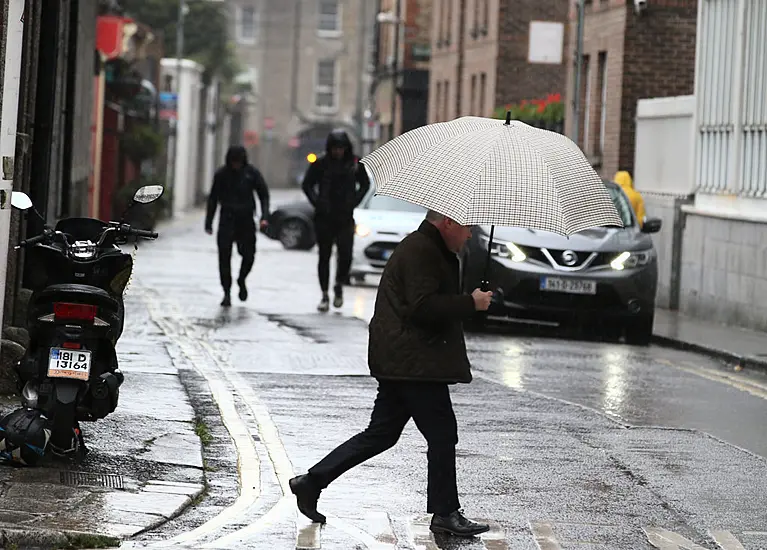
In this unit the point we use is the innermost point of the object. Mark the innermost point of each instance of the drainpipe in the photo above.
(8, 127)
(578, 70)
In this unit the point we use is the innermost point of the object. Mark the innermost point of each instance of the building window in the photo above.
(473, 104)
(449, 23)
(325, 92)
(329, 21)
(438, 103)
(482, 94)
(486, 17)
(440, 22)
(602, 101)
(246, 25)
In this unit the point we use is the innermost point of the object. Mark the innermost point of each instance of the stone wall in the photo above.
(724, 270)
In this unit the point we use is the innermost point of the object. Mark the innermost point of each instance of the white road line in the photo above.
(544, 536)
(754, 388)
(495, 539)
(726, 540)
(422, 536)
(307, 534)
(668, 540)
(284, 509)
(247, 456)
(378, 524)
(358, 534)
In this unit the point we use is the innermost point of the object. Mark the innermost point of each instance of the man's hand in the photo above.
(482, 300)
(264, 224)
(209, 230)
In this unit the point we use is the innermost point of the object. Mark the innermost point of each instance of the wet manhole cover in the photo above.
(110, 481)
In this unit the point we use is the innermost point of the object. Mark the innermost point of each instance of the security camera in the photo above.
(640, 6)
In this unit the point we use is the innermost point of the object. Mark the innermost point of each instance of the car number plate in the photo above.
(69, 363)
(569, 286)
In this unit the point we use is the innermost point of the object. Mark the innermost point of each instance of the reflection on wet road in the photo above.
(563, 444)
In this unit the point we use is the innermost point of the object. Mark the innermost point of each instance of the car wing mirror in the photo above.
(652, 225)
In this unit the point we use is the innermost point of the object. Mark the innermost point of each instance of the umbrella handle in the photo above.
(485, 285)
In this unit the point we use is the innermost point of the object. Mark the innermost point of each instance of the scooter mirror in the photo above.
(148, 193)
(20, 200)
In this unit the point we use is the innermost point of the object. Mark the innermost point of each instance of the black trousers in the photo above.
(430, 407)
(240, 230)
(340, 233)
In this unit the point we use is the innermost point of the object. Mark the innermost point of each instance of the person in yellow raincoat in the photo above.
(623, 179)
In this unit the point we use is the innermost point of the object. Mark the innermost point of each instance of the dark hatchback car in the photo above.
(604, 276)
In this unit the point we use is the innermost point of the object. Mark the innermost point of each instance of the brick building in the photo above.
(411, 63)
(627, 56)
(307, 66)
(488, 53)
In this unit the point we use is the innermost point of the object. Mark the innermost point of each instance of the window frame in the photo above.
(330, 33)
(320, 89)
(241, 38)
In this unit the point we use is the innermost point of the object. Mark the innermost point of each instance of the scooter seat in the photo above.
(81, 294)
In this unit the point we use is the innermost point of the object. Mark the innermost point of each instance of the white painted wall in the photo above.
(664, 145)
(187, 146)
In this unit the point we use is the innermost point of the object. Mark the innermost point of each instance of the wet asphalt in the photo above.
(564, 443)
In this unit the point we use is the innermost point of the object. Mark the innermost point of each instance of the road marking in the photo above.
(421, 535)
(726, 540)
(307, 534)
(281, 511)
(544, 536)
(378, 524)
(754, 388)
(668, 540)
(248, 463)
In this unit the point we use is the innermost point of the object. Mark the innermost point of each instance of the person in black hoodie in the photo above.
(233, 187)
(335, 184)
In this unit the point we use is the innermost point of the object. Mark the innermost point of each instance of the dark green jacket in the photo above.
(417, 327)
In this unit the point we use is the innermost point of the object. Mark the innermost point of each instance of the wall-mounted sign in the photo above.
(546, 42)
(168, 106)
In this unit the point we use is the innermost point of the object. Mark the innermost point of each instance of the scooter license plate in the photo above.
(69, 363)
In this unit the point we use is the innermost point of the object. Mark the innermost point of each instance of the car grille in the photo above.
(527, 293)
(537, 254)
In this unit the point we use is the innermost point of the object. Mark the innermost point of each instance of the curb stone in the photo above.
(745, 361)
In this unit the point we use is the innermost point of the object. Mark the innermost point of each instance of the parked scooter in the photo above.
(69, 374)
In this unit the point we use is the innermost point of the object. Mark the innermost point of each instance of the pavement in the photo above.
(741, 347)
(563, 444)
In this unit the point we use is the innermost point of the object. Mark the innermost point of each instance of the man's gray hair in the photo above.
(434, 216)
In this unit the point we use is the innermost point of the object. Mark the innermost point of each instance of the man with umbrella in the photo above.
(416, 350)
(499, 174)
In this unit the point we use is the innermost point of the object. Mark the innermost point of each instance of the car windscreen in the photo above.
(621, 205)
(380, 202)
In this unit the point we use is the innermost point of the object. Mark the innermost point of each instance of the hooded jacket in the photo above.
(623, 179)
(331, 184)
(233, 189)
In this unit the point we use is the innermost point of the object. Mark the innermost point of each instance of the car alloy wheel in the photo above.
(292, 233)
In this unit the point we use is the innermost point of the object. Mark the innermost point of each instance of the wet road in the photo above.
(563, 444)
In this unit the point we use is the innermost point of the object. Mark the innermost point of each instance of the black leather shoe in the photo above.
(307, 495)
(457, 524)
(227, 301)
(243, 291)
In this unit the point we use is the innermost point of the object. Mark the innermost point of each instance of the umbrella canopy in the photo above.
(480, 171)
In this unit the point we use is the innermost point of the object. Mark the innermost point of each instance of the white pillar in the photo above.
(11, 85)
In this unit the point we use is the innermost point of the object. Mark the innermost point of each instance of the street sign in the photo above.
(168, 106)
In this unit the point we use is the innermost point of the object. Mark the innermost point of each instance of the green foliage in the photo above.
(142, 142)
(206, 32)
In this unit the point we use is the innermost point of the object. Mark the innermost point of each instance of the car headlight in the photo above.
(362, 230)
(505, 249)
(631, 259)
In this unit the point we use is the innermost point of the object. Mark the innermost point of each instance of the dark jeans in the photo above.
(430, 407)
(240, 230)
(340, 233)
